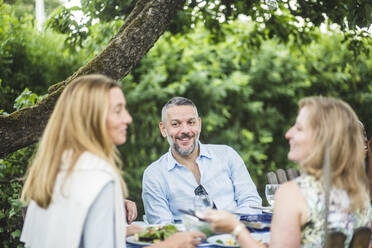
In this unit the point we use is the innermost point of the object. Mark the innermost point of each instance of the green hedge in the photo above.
(29, 58)
(12, 170)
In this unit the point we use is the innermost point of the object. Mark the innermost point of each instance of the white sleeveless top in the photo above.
(61, 224)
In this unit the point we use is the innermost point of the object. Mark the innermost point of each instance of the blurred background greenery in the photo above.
(245, 64)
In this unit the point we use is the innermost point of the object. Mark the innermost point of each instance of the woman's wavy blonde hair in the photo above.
(78, 124)
(335, 123)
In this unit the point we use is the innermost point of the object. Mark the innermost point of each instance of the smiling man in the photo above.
(191, 168)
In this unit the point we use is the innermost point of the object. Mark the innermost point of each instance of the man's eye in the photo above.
(174, 124)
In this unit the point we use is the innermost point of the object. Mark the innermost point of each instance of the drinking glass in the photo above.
(271, 4)
(201, 204)
(270, 190)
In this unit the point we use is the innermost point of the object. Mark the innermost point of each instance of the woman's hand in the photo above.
(131, 210)
(182, 240)
(132, 229)
(221, 221)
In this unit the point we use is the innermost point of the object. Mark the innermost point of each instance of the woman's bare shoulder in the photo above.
(290, 199)
(290, 187)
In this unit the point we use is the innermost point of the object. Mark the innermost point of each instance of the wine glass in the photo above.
(270, 190)
(201, 204)
(271, 4)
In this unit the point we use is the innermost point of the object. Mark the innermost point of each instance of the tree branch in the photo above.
(146, 23)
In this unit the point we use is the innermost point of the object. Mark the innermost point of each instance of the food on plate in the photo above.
(256, 225)
(229, 241)
(206, 229)
(257, 221)
(156, 233)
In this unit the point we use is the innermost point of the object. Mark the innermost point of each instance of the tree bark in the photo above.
(143, 27)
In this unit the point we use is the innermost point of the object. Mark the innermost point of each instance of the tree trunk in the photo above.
(143, 27)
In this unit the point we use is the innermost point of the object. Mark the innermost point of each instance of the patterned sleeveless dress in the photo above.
(340, 216)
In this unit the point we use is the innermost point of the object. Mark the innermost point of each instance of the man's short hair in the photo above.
(177, 101)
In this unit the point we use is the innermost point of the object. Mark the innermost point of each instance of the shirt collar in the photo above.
(172, 162)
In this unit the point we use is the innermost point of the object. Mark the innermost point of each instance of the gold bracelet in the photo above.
(240, 227)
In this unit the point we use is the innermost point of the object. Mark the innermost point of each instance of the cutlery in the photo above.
(192, 213)
(266, 209)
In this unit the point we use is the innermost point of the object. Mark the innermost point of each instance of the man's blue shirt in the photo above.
(169, 186)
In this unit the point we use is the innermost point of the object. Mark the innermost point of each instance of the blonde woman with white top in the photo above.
(74, 186)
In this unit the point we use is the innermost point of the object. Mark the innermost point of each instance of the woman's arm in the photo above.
(99, 226)
(288, 217)
(290, 213)
(225, 222)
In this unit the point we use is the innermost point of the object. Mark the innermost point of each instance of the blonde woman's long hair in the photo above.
(335, 123)
(77, 124)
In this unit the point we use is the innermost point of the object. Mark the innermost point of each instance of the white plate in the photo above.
(131, 240)
(224, 238)
(263, 237)
(256, 224)
(180, 227)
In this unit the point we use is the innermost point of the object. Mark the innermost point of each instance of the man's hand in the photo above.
(131, 210)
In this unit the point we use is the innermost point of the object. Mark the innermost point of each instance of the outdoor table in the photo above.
(204, 245)
(265, 218)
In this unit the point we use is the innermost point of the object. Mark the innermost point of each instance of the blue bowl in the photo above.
(265, 218)
(256, 219)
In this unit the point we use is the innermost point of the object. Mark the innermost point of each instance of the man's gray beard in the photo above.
(186, 152)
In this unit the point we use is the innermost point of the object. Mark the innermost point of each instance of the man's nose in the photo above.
(185, 128)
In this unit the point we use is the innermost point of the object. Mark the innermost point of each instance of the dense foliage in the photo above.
(246, 84)
(30, 59)
(27, 7)
(279, 17)
(213, 13)
(12, 170)
(246, 94)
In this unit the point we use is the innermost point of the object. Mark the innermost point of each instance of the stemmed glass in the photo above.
(201, 204)
(271, 4)
(270, 190)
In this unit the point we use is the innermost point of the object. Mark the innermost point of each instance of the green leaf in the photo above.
(16, 234)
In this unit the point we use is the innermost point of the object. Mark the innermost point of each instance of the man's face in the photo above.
(182, 129)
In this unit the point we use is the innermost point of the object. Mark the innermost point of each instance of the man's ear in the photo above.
(162, 129)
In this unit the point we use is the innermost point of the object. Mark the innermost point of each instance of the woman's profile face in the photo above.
(118, 117)
(300, 137)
